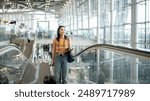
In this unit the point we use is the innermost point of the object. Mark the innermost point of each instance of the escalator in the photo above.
(99, 63)
(109, 64)
(15, 66)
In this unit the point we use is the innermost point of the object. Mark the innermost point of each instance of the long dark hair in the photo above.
(58, 34)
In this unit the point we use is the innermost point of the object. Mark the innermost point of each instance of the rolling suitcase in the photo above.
(50, 79)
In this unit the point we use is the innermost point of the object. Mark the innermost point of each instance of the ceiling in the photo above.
(17, 6)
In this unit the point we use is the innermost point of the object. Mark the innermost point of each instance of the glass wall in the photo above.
(121, 22)
(105, 21)
(118, 22)
(76, 16)
(93, 18)
(143, 24)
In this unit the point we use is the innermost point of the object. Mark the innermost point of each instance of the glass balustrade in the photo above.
(113, 67)
(15, 67)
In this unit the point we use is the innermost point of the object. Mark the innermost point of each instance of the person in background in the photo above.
(61, 44)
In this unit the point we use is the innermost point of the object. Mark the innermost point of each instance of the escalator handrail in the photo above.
(119, 49)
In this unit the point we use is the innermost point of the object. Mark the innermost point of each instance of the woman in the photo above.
(61, 44)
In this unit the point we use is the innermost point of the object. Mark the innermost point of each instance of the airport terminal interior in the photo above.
(110, 40)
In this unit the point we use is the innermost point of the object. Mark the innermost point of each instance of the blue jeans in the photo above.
(61, 69)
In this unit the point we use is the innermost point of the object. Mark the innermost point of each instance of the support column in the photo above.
(133, 24)
(82, 17)
(77, 18)
(89, 15)
(73, 4)
(70, 14)
(111, 42)
(98, 37)
(134, 65)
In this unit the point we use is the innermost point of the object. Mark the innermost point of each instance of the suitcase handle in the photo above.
(51, 69)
